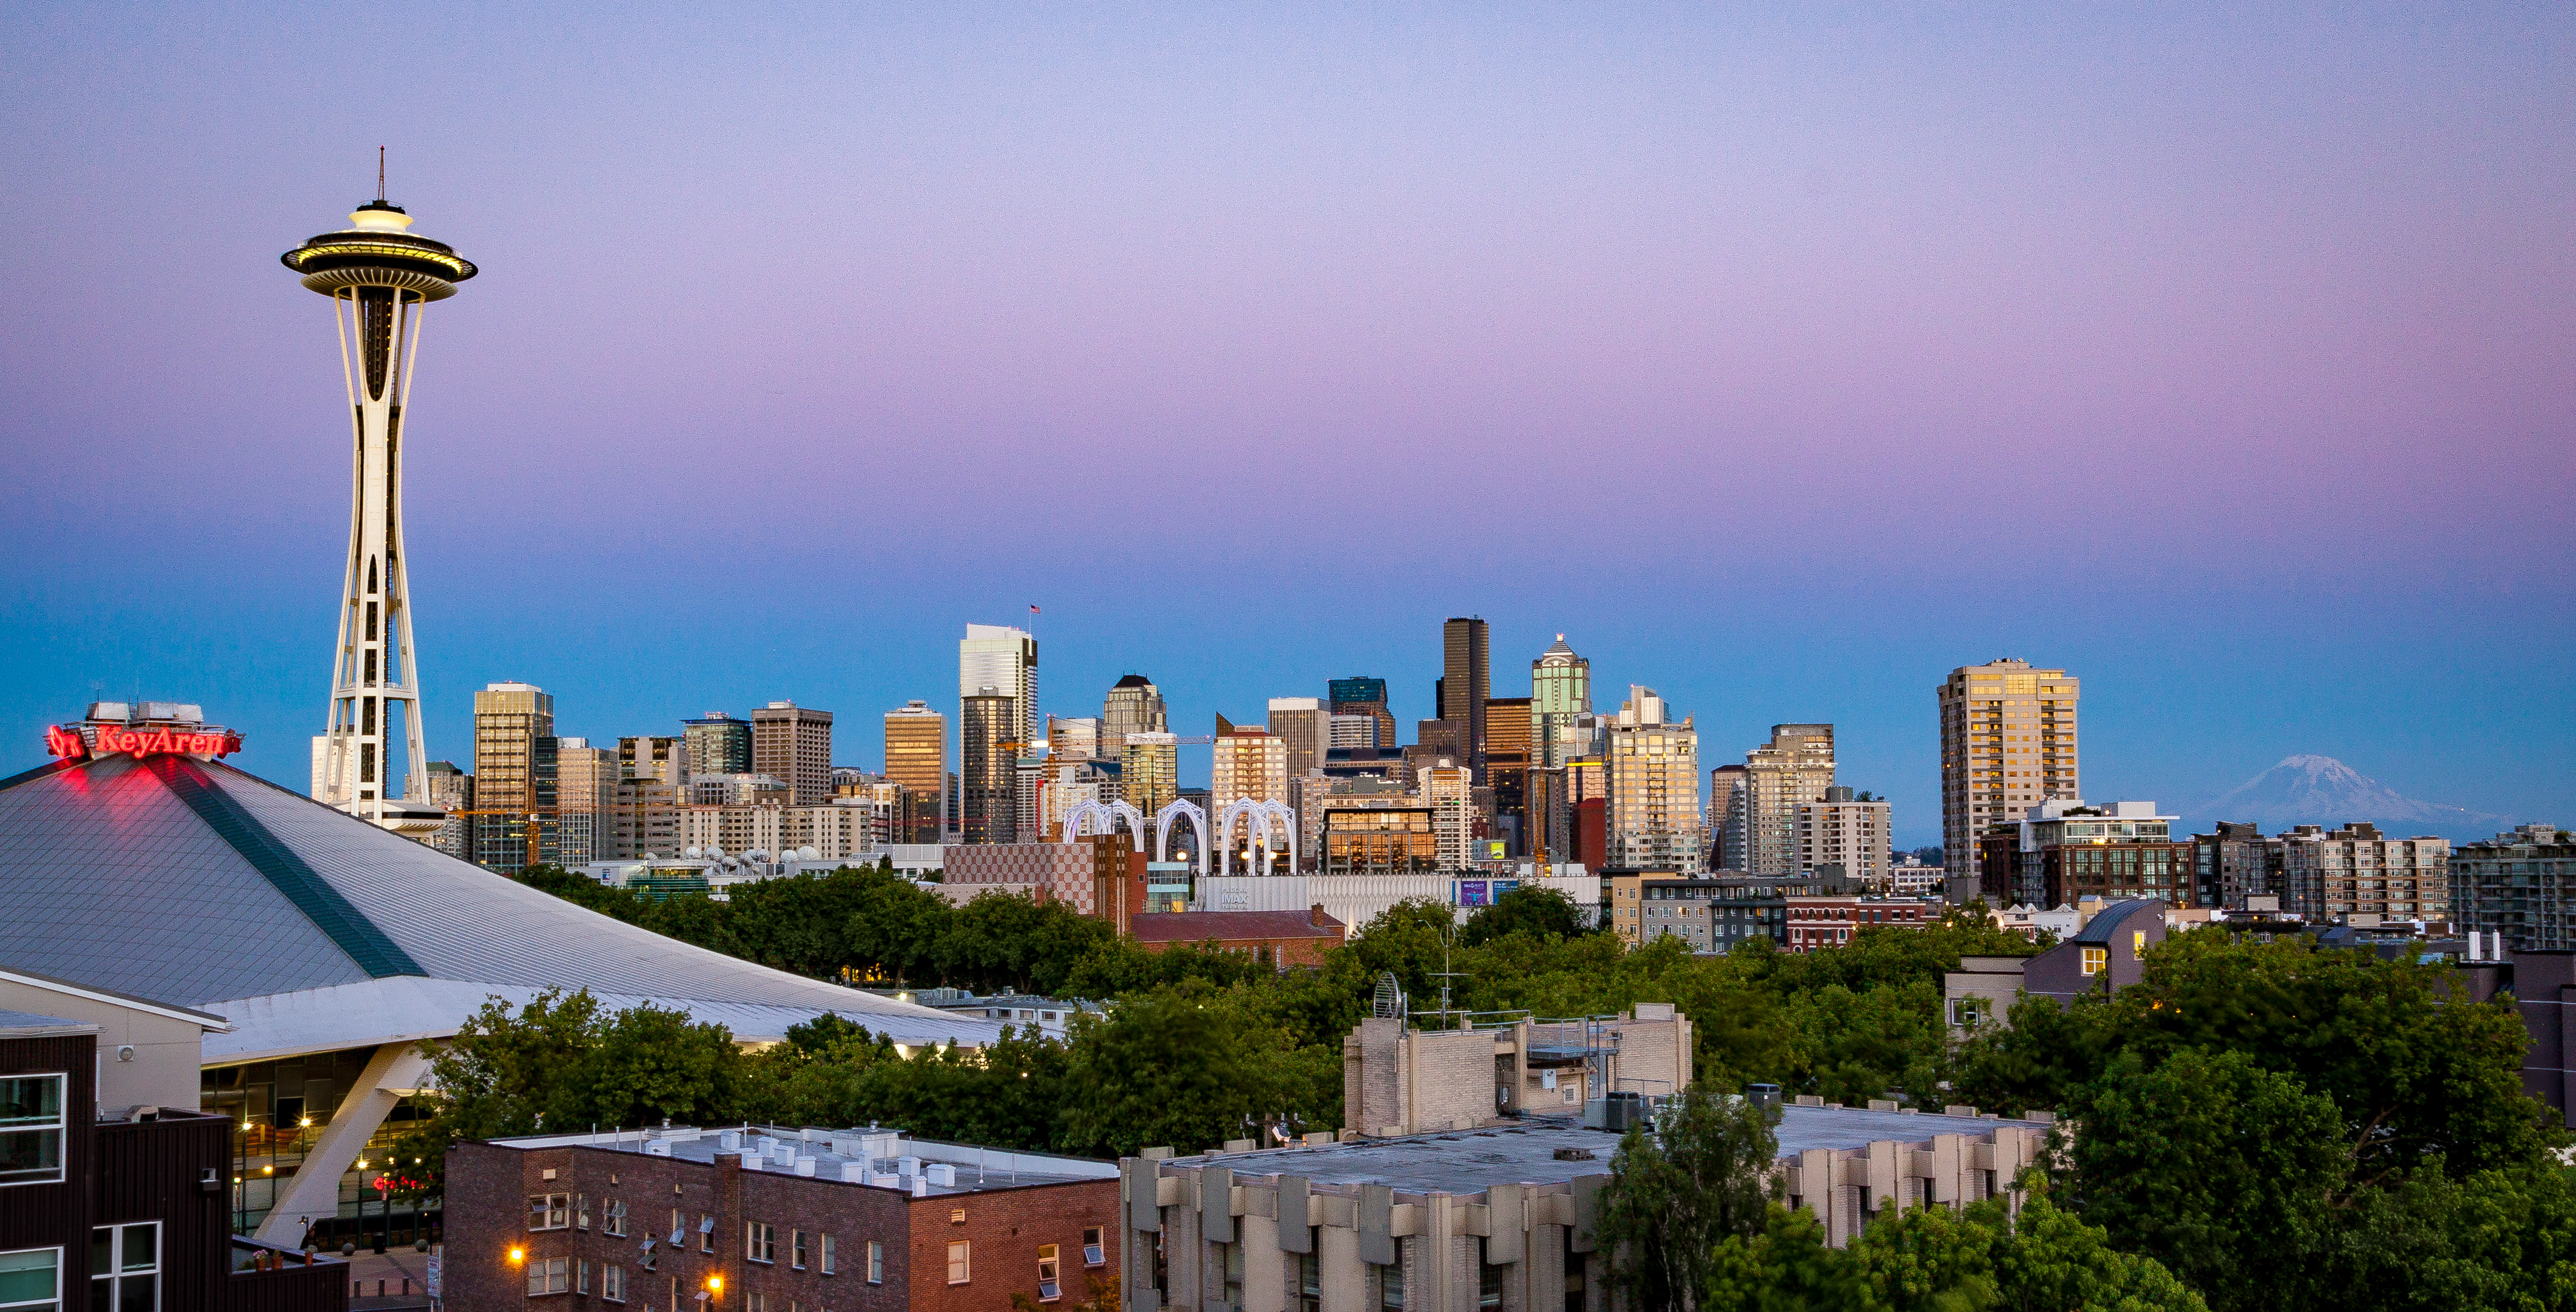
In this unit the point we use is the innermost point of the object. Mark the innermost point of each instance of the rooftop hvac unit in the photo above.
(854, 1173)
(729, 1140)
(941, 1173)
(804, 1166)
(657, 1148)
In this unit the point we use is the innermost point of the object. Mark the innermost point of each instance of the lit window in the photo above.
(2096, 960)
(1050, 1276)
(960, 1261)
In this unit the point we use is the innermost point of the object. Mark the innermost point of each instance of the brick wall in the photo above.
(487, 1212)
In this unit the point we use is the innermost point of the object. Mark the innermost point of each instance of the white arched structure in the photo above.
(1103, 818)
(1260, 812)
(1179, 808)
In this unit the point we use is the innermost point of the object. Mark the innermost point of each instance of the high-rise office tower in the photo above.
(1134, 705)
(585, 793)
(718, 744)
(1361, 694)
(794, 744)
(2007, 745)
(916, 761)
(654, 756)
(514, 775)
(1652, 781)
(1351, 731)
(1796, 766)
(450, 790)
(987, 719)
(380, 278)
(1006, 661)
(1508, 750)
(1560, 689)
(1449, 792)
(1299, 722)
(1466, 681)
(1149, 770)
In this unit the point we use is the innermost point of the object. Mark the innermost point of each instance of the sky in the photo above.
(1782, 359)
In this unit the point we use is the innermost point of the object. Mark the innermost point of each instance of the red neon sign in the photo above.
(165, 740)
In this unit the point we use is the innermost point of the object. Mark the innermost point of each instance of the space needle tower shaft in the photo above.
(380, 278)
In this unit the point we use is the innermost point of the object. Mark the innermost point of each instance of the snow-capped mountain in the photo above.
(2320, 790)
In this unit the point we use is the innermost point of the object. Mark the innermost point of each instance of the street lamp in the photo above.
(715, 1288)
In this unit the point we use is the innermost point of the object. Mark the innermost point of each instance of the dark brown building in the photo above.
(772, 1220)
(134, 1209)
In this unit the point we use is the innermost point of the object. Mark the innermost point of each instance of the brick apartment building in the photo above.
(771, 1220)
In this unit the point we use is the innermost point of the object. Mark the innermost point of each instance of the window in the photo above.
(1050, 1275)
(679, 1228)
(1233, 1260)
(1390, 1287)
(549, 1211)
(31, 1129)
(612, 1219)
(829, 1267)
(581, 1214)
(2138, 943)
(1094, 1252)
(759, 1242)
(960, 1262)
(612, 1283)
(125, 1266)
(876, 1263)
(1310, 1279)
(1574, 1263)
(2096, 960)
(581, 1276)
(706, 1234)
(796, 1250)
(549, 1275)
(32, 1278)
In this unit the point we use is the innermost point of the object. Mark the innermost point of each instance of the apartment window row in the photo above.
(31, 1130)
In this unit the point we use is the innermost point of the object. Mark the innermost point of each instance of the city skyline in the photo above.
(2274, 374)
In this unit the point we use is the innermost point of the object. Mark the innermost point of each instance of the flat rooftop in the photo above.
(879, 1154)
(1471, 1161)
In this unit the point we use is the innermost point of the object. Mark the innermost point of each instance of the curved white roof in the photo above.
(194, 883)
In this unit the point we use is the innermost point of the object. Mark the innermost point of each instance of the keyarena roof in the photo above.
(191, 882)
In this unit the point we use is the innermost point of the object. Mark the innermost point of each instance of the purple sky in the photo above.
(1782, 362)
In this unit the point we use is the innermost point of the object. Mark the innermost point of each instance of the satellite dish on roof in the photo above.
(809, 853)
(690, 852)
(1388, 1004)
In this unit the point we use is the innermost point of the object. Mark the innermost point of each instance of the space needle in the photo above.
(380, 277)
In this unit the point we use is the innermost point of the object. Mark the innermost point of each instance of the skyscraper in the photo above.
(1728, 819)
(1652, 781)
(916, 761)
(1560, 689)
(1077, 738)
(718, 744)
(1300, 722)
(514, 775)
(1006, 661)
(1134, 705)
(2007, 745)
(1508, 750)
(1149, 771)
(585, 793)
(654, 756)
(1362, 694)
(1796, 766)
(1466, 680)
(380, 278)
(794, 744)
(987, 719)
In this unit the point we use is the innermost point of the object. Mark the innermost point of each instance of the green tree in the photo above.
(1528, 909)
(1700, 1174)
(2222, 1170)
(1187, 1067)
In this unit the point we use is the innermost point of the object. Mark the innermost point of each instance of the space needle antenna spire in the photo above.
(380, 277)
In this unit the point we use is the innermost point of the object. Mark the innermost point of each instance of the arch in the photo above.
(1106, 816)
(1179, 808)
(1261, 812)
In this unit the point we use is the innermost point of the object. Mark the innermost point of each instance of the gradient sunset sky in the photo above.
(1781, 361)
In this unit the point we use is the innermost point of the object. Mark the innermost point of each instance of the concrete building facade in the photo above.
(1842, 830)
(794, 743)
(2520, 886)
(1652, 783)
(1796, 767)
(2358, 876)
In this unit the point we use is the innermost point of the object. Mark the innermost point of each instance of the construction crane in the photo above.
(535, 826)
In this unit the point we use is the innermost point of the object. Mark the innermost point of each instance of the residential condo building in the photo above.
(1652, 783)
(794, 743)
(1795, 767)
(2008, 743)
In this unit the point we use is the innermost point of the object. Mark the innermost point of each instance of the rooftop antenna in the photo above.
(380, 175)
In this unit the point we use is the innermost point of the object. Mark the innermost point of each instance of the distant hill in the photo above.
(2320, 790)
